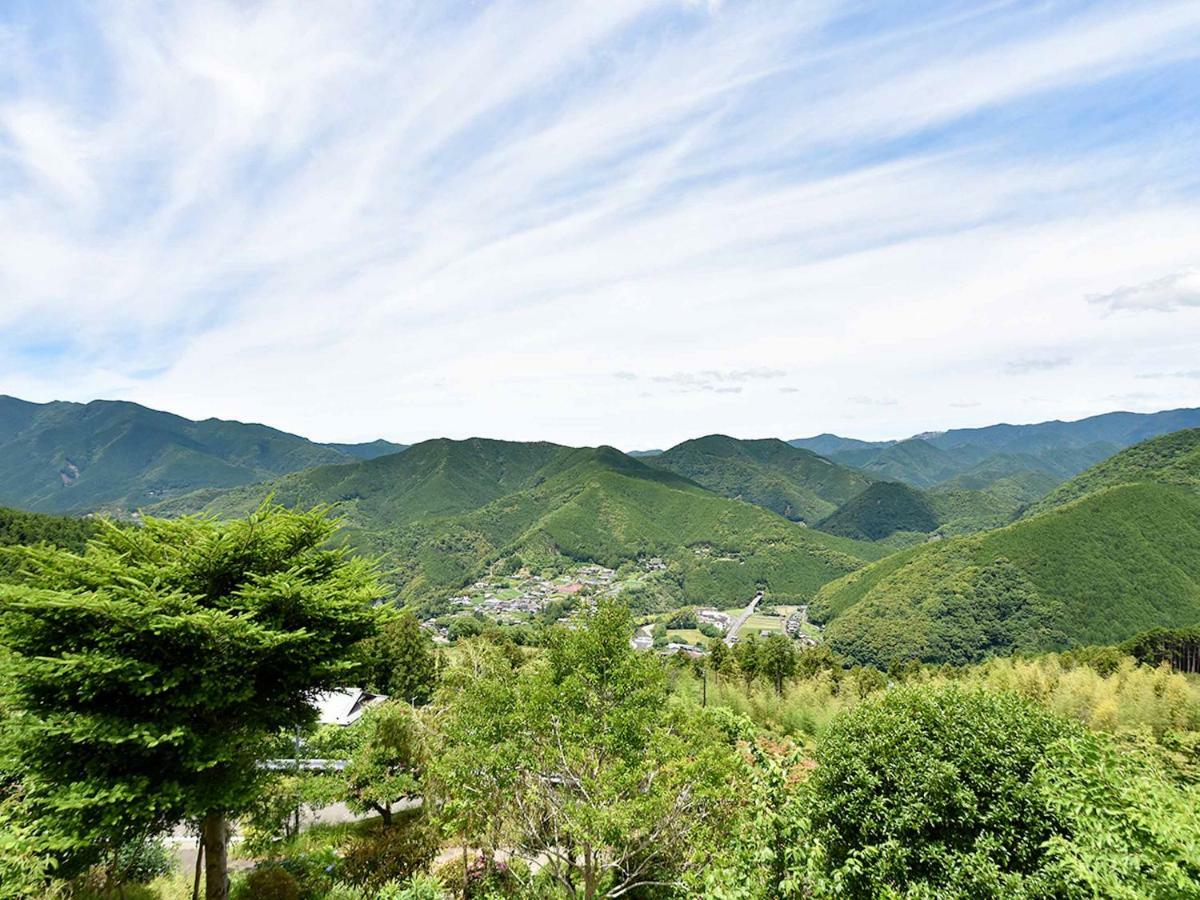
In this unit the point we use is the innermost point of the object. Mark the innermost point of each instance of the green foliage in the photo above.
(1098, 570)
(445, 512)
(1170, 459)
(381, 855)
(793, 482)
(269, 882)
(418, 887)
(583, 751)
(881, 510)
(934, 791)
(147, 673)
(1128, 833)
(400, 660)
(389, 763)
(119, 457)
(1178, 647)
(18, 527)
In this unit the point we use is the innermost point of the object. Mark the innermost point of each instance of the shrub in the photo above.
(933, 790)
(143, 861)
(268, 882)
(417, 887)
(941, 791)
(314, 872)
(381, 855)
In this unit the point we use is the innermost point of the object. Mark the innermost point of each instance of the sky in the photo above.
(629, 222)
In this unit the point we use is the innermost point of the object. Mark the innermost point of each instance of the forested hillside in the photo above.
(117, 457)
(1117, 562)
(1049, 452)
(1170, 459)
(17, 527)
(443, 512)
(798, 484)
(890, 508)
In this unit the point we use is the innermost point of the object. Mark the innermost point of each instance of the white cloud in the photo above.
(352, 220)
(1166, 294)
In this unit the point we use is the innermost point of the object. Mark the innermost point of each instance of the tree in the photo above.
(389, 764)
(720, 657)
(150, 670)
(777, 659)
(746, 651)
(587, 766)
(934, 790)
(400, 660)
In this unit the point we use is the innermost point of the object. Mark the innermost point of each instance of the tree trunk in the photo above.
(216, 863)
(199, 863)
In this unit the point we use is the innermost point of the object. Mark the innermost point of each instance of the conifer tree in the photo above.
(146, 673)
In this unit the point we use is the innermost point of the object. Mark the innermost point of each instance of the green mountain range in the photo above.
(117, 457)
(793, 482)
(444, 512)
(1050, 450)
(891, 508)
(1170, 459)
(1113, 552)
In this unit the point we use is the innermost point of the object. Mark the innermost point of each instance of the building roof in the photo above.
(344, 706)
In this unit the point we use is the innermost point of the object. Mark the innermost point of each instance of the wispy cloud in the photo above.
(1032, 364)
(715, 381)
(863, 400)
(1185, 373)
(1165, 294)
(353, 218)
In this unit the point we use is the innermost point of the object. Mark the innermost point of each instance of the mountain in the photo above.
(1122, 429)
(1170, 459)
(640, 454)
(830, 444)
(890, 508)
(914, 461)
(1048, 450)
(117, 456)
(443, 512)
(880, 511)
(793, 482)
(370, 450)
(1117, 552)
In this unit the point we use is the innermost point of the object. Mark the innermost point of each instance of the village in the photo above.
(522, 598)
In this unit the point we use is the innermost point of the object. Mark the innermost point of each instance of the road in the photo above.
(737, 624)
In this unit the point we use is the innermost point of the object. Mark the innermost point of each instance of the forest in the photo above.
(159, 683)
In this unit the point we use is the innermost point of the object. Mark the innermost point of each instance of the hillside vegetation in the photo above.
(117, 457)
(17, 528)
(976, 458)
(1170, 459)
(795, 483)
(880, 511)
(444, 512)
(1116, 562)
(890, 508)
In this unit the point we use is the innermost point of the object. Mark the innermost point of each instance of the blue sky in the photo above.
(628, 222)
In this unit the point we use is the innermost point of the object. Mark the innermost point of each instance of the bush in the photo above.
(418, 887)
(143, 861)
(940, 791)
(934, 790)
(314, 872)
(267, 882)
(382, 855)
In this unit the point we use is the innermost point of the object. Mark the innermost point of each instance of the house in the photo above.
(344, 706)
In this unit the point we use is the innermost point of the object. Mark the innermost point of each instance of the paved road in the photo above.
(737, 624)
